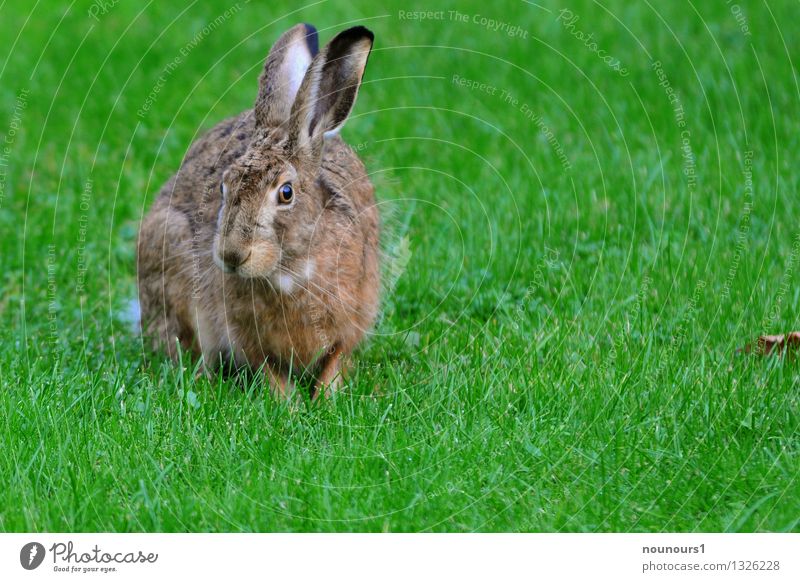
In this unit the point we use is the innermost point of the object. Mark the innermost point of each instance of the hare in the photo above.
(262, 251)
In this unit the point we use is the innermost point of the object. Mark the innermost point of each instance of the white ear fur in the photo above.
(284, 70)
(294, 67)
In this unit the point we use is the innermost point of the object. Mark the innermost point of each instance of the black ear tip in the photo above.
(312, 39)
(357, 33)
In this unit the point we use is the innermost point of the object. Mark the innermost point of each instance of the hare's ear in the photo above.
(283, 73)
(329, 90)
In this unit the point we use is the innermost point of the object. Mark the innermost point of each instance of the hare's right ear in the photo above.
(283, 73)
(329, 90)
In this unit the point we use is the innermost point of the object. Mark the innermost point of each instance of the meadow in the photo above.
(587, 208)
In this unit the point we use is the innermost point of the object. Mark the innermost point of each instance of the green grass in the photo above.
(558, 350)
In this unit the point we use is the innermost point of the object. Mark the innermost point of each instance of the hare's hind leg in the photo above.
(164, 288)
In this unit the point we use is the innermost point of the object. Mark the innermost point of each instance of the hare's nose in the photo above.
(232, 259)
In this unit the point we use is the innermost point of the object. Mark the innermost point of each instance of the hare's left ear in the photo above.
(284, 70)
(329, 90)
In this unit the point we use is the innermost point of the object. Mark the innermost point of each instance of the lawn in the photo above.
(586, 210)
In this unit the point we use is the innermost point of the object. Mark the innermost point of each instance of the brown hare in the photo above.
(262, 251)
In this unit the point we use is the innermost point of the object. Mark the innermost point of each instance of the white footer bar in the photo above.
(352, 557)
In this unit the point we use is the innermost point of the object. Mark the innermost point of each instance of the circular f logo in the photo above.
(31, 555)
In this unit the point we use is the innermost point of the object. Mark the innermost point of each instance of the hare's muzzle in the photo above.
(246, 259)
(232, 259)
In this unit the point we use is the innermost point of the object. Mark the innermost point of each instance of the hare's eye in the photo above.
(285, 193)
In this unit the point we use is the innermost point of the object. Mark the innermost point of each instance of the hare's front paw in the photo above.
(280, 384)
(330, 377)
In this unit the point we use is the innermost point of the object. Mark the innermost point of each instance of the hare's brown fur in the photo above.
(305, 280)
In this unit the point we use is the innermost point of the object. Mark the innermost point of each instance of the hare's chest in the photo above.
(294, 333)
